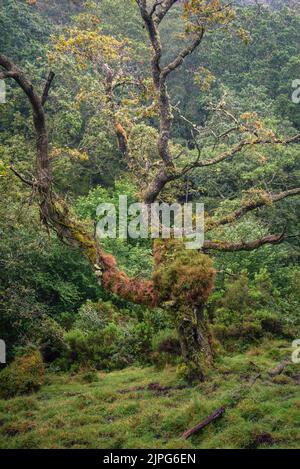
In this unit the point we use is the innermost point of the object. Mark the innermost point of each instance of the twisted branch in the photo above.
(55, 213)
(266, 200)
(225, 246)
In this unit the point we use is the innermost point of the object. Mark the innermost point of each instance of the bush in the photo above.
(166, 348)
(107, 337)
(103, 349)
(188, 373)
(49, 337)
(87, 377)
(137, 345)
(23, 376)
(247, 311)
(237, 330)
(94, 316)
(166, 341)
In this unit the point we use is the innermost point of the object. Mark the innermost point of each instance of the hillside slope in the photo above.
(126, 409)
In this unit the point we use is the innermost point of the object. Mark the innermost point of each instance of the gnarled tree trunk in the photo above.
(195, 342)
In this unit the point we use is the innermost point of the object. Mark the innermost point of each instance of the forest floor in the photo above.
(126, 409)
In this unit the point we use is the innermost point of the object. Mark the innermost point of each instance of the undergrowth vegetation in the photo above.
(24, 376)
(147, 408)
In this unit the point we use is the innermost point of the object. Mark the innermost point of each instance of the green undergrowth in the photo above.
(124, 409)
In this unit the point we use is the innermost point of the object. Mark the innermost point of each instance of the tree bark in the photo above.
(217, 414)
(195, 342)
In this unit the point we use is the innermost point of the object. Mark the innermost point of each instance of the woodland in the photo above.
(142, 343)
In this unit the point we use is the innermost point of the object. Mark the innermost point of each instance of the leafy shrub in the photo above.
(111, 347)
(137, 345)
(77, 348)
(106, 336)
(94, 316)
(49, 337)
(102, 349)
(247, 310)
(166, 347)
(24, 375)
(245, 328)
(88, 377)
(166, 341)
(187, 373)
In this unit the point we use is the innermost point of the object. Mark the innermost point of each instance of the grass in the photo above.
(110, 412)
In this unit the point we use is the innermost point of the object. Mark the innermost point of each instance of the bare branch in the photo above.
(156, 4)
(183, 54)
(21, 177)
(14, 72)
(47, 87)
(214, 416)
(10, 74)
(128, 82)
(43, 161)
(264, 200)
(161, 88)
(167, 172)
(167, 5)
(156, 186)
(243, 245)
(224, 156)
(156, 45)
(237, 149)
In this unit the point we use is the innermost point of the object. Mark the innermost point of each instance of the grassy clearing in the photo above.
(109, 412)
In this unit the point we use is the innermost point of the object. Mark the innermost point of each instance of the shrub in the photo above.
(238, 330)
(166, 348)
(88, 377)
(103, 349)
(24, 375)
(188, 372)
(137, 345)
(49, 337)
(77, 350)
(107, 337)
(94, 316)
(270, 322)
(166, 341)
(247, 311)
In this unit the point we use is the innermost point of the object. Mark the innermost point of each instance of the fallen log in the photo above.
(217, 414)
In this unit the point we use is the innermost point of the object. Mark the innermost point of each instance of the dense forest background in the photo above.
(50, 299)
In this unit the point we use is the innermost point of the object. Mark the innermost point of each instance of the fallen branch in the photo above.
(279, 369)
(217, 414)
(236, 396)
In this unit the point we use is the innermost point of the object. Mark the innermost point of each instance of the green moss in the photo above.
(181, 277)
(184, 282)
